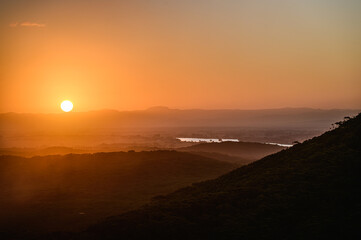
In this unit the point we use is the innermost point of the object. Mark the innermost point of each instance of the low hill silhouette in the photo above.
(310, 191)
(235, 152)
(245, 151)
(53, 193)
(31, 152)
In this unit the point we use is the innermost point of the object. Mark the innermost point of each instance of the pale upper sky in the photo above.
(129, 55)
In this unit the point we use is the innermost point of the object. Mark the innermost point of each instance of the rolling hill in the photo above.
(53, 193)
(31, 152)
(310, 191)
(246, 152)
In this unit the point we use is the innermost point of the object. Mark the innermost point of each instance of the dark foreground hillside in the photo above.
(310, 191)
(67, 193)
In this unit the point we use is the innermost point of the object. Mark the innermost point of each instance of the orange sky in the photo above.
(129, 55)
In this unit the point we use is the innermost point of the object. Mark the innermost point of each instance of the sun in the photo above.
(66, 106)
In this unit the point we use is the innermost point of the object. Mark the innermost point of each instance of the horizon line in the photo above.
(155, 108)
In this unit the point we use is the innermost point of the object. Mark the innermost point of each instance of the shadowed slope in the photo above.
(310, 191)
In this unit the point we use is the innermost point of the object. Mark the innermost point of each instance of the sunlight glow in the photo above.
(66, 106)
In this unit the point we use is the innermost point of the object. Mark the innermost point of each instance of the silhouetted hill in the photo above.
(58, 150)
(30, 152)
(246, 151)
(310, 191)
(224, 157)
(50, 193)
(158, 109)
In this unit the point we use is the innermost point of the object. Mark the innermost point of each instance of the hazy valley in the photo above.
(309, 191)
(67, 189)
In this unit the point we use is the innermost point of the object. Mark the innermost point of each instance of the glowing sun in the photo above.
(66, 106)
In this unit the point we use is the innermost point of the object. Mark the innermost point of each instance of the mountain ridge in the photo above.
(271, 118)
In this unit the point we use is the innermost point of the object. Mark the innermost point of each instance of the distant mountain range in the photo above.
(159, 127)
(161, 117)
(309, 191)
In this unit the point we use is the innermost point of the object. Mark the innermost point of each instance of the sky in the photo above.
(132, 55)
